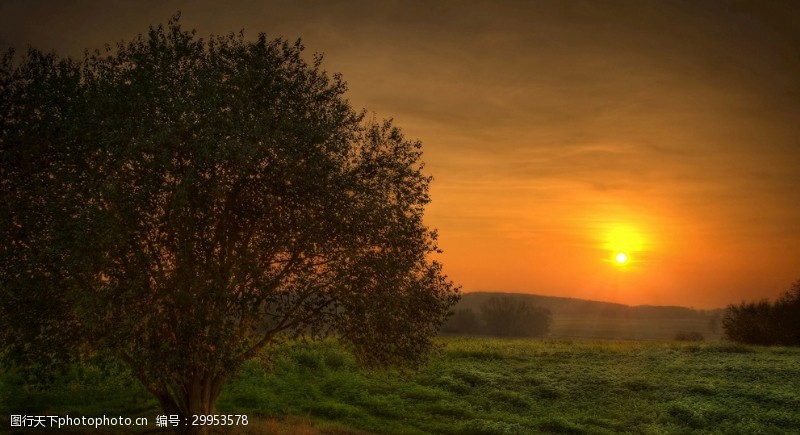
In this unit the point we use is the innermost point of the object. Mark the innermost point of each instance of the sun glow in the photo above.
(621, 241)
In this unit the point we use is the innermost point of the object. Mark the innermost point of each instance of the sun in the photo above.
(622, 243)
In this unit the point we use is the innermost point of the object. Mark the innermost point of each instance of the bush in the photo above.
(787, 310)
(765, 323)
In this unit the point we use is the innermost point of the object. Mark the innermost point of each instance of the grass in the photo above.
(481, 386)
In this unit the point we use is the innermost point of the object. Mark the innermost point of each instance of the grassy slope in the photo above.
(495, 386)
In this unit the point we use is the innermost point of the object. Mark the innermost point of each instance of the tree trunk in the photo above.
(194, 398)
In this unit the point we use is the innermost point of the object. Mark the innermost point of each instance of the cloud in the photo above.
(542, 122)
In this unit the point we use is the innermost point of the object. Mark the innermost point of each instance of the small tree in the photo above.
(787, 309)
(750, 322)
(765, 323)
(184, 204)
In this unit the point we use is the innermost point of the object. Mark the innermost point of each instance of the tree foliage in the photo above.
(764, 322)
(183, 204)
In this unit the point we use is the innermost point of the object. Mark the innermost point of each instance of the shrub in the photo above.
(765, 323)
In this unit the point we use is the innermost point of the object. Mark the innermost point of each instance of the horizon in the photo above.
(500, 292)
(623, 152)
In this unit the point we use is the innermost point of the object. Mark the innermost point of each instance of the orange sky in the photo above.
(548, 125)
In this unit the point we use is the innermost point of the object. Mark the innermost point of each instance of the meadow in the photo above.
(474, 386)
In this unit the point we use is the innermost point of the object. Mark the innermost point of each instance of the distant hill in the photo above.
(581, 318)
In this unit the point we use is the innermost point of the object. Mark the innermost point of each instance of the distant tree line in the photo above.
(766, 323)
(501, 316)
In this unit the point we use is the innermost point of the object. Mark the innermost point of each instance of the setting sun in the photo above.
(620, 241)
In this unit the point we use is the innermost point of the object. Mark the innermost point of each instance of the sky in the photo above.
(559, 133)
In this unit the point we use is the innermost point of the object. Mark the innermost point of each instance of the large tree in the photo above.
(183, 204)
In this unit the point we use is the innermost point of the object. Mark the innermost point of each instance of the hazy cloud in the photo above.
(545, 122)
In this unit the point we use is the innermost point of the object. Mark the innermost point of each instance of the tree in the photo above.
(750, 322)
(765, 323)
(788, 315)
(507, 316)
(185, 204)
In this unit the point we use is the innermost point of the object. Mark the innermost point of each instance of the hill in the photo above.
(581, 318)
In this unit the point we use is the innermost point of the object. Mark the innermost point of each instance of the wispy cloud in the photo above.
(546, 122)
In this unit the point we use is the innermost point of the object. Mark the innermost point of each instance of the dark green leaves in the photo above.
(184, 204)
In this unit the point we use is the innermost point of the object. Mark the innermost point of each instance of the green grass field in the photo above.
(478, 386)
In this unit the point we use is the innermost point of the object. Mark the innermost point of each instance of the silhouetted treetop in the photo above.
(184, 204)
(764, 322)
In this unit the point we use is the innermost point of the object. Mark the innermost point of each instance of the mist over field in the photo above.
(584, 319)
